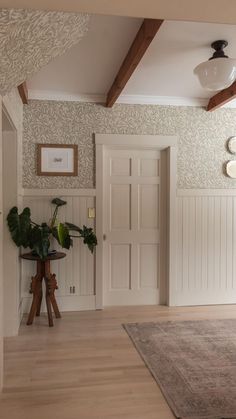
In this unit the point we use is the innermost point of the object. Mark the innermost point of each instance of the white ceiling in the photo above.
(90, 67)
(165, 72)
(189, 10)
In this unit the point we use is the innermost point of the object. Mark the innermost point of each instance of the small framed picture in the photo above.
(57, 160)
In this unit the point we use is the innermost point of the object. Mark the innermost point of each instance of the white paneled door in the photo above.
(131, 226)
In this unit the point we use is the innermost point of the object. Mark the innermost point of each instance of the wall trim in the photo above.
(159, 142)
(125, 99)
(64, 96)
(11, 112)
(206, 192)
(65, 303)
(161, 100)
(58, 192)
(209, 297)
(92, 192)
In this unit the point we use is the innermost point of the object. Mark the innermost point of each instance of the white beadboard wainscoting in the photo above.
(206, 247)
(75, 273)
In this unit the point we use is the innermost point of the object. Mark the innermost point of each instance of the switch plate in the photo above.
(91, 212)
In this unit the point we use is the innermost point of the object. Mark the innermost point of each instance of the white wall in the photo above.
(202, 153)
(11, 271)
(206, 247)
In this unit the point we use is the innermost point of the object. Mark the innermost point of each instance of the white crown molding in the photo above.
(64, 96)
(161, 100)
(125, 99)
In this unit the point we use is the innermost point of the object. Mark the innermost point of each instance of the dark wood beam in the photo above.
(224, 96)
(23, 92)
(144, 37)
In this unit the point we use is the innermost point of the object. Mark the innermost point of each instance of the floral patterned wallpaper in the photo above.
(32, 38)
(202, 138)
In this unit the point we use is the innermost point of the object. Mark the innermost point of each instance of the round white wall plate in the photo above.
(232, 145)
(231, 169)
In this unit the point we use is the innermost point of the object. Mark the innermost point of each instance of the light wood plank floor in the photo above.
(86, 366)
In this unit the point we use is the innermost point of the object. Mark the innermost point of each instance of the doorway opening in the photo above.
(136, 199)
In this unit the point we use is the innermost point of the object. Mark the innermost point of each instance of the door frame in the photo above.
(13, 109)
(15, 119)
(145, 142)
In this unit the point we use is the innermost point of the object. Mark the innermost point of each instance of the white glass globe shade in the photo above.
(216, 74)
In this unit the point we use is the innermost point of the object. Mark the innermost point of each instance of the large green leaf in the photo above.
(63, 236)
(39, 240)
(55, 234)
(58, 202)
(89, 237)
(38, 236)
(72, 227)
(87, 233)
(19, 226)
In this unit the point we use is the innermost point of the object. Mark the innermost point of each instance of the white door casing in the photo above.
(11, 143)
(8, 107)
(128, 230)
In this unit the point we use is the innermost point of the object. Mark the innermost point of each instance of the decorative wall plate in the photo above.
(232, 145)
(231, 169)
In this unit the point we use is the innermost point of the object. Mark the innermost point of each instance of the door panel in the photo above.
(120, 207)
(148, 206)
(120, 167)
(149, 167)
(149, 265)
(120, 266)
(132, 222)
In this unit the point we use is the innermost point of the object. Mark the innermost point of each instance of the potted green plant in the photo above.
(26, 233)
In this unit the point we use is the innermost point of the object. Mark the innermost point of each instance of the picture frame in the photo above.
(57, 160)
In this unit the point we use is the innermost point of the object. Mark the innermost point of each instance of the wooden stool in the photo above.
(43, 272)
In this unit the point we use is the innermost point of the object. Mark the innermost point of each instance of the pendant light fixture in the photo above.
(219, 72)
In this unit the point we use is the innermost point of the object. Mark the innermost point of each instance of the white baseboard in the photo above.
(204, 298)
(65, 303)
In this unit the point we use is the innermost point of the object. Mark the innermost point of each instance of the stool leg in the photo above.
(53, 287)
(32, 310)
(39, 303)
(48, 303)
(35, 290)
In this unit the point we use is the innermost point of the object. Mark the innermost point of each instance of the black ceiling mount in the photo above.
(219, 46)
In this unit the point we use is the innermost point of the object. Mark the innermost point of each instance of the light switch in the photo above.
(91, 212)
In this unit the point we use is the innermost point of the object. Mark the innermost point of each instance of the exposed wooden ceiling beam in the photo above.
(144, 37)
(23, 92)
(221, 98)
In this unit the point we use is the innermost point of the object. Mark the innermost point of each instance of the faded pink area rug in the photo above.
(194, 363)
